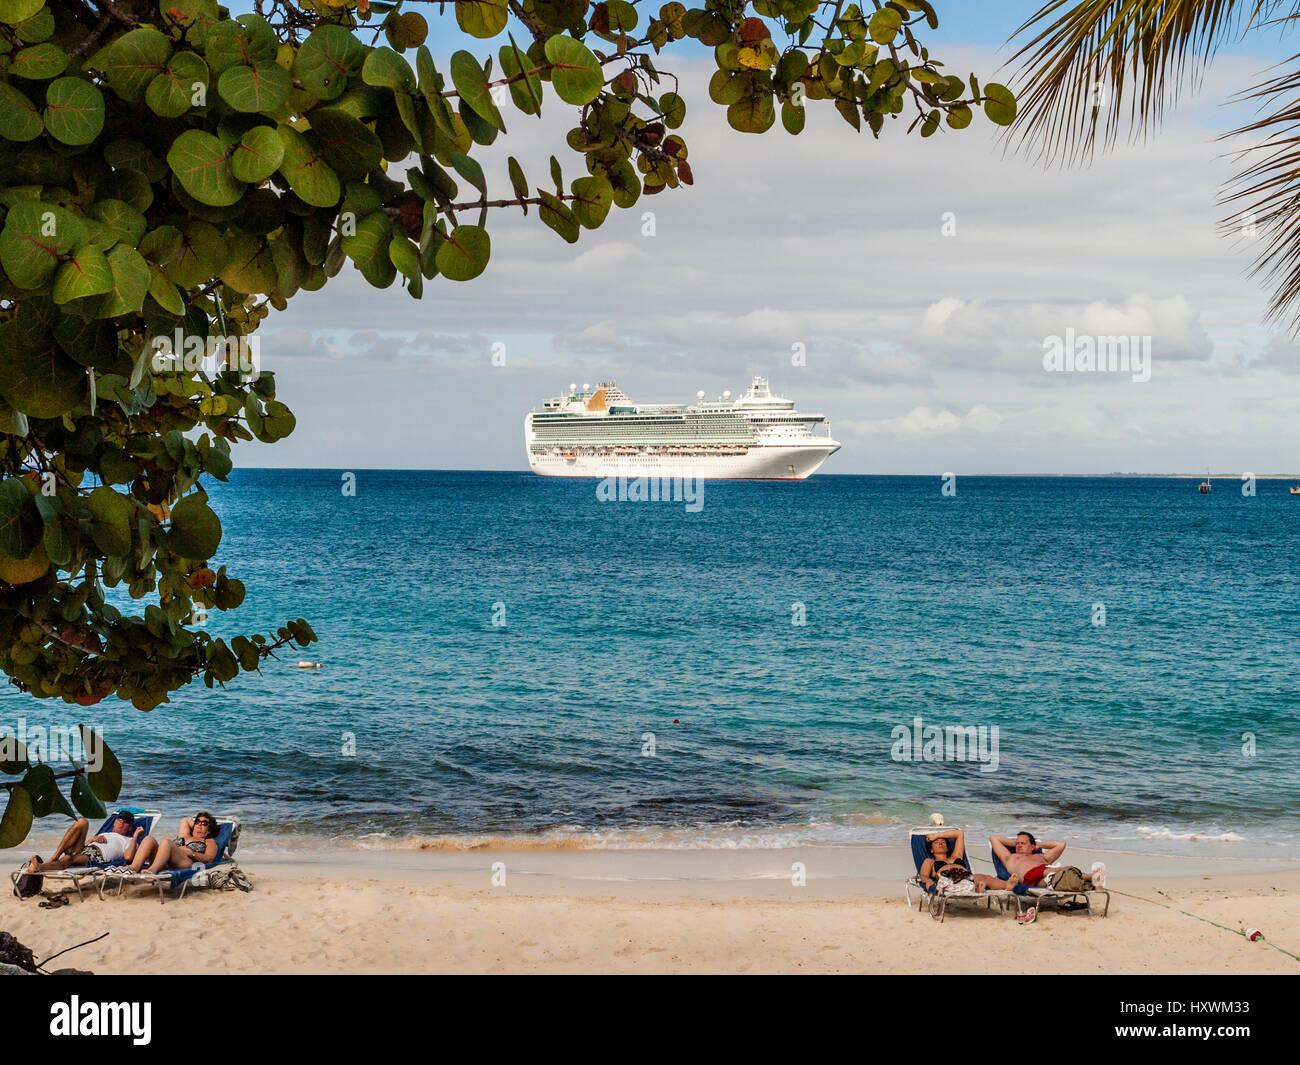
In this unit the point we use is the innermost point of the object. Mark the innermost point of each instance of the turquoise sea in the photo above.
(511, 657)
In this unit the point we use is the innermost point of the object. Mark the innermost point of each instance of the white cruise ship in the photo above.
(601, 433)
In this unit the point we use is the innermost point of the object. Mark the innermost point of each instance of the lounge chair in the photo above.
(928, 896)
(1047, 894)
(221, 870)
(96, 871)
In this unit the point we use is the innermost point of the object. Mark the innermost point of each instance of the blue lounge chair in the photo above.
(1041, 895)
(96, 871)
(929, 896)
(221, 870)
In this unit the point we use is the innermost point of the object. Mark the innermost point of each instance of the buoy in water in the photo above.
(309, 665)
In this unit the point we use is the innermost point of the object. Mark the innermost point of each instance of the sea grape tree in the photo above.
(171, 173)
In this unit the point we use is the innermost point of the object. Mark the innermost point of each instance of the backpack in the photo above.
(29, 884)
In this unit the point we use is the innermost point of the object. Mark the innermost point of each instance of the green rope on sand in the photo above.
(1168, 906)
(1234, 931)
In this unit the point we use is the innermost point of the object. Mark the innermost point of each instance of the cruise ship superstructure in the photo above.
(601, 433)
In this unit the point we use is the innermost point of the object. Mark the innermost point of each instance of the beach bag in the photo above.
(1068, 878)
(955, 882)
(29, 884)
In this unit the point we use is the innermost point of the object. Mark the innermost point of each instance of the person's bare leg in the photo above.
(984, 882)
(144, 852)
(55, 865)
(161, 858)
(73, 839)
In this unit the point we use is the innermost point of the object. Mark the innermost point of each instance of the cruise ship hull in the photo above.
(756, 463)
(754, 437)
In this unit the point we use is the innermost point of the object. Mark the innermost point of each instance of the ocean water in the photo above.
(508, 659)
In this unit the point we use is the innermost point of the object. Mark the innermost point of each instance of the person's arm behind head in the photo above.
(1052, 849)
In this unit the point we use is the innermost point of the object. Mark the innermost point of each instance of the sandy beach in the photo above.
(662, 912)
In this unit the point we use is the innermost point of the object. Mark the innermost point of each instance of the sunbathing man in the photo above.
(1031, 869)
(937, 844)
(75, 849)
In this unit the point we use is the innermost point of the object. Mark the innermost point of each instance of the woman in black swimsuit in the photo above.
(941, 858)
(196, 841)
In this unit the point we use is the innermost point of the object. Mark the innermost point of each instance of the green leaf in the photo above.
(39, 62)
(594, 197)
(464, 254)
(106, 781)
(257, 155)
(17, 820)
(348, 144)
(482, 18)
(35, 234)
(469, 169)
(85, 274)
(18, 525)
(884, 25)
(202, 254)
(85, 799)
(518, 181)
(40, 27)
(555, 214)
(74, 111)
(368, 248)
(131, 62)
(171, 94)
(576, 74)
(111, 527)
(14, 12)
(999, 104)
(792, 117)
(960, 117)
(526, 91)
(165, 294)
(306, 170)
(125, 223)
(13, 756)
(471, 82)
(326, 59)
(195, 529)
(201, 163)
(20, 119)
(36, 378)
(388, 70)
(264, 87)
(753, 114)
(130, 283)
(673, 108)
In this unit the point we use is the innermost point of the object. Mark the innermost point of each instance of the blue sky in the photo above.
(924, 346)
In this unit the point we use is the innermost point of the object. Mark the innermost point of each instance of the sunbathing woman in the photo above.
(940, 859)
(196, 842)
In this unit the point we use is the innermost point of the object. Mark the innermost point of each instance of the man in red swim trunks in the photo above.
(1024, 866)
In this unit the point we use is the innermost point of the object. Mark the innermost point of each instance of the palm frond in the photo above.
(1267, 191)
(1095, 66)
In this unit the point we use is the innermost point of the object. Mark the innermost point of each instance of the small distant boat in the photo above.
(1205, 487)
(1295, 489)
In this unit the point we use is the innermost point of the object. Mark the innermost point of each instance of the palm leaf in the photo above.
(1096, 66)
(1267, 191)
